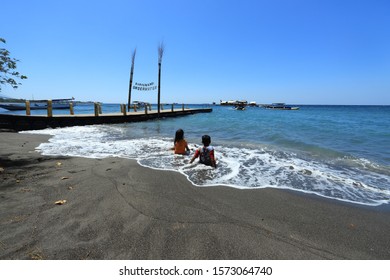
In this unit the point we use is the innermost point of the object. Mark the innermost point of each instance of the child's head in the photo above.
(206, 140)
(179, 135)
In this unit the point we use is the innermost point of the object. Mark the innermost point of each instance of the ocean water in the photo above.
(338, 152)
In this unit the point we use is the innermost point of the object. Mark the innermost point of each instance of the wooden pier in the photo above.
(34, 122)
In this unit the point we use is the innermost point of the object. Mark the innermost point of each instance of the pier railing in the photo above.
(98, 108)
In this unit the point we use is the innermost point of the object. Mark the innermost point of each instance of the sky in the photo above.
(293, 51)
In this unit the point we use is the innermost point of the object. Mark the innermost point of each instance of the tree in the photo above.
(8, 69)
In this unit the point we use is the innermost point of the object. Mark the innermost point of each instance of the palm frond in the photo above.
(161, 48)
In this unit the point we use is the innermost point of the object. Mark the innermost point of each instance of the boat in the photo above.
(57, 104)
(140, 104)
(240, 108)
(234, 103)
(240, 105)
(227, 103)
(280, 106)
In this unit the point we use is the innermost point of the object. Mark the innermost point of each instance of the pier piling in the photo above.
(28, 111)
(96, 109)
(71, 110)
(50, 108)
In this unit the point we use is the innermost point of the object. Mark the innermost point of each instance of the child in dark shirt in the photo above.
(205, 153)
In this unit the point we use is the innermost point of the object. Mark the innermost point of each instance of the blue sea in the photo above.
(337, 152)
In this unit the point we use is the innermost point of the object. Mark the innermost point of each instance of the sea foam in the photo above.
(239, 167)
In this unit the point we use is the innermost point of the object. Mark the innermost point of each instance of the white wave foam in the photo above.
(237, 167)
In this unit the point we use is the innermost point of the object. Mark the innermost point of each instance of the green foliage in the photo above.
(8, 68)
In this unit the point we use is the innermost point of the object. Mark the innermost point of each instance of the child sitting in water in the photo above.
(180, 144)
(205, 153)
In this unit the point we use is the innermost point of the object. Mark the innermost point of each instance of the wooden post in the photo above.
(49, 108)
(96, 107)
(172, 107)
(28, 112)
(182, 107)
(146, 110)
(124, 109)
(71, 108)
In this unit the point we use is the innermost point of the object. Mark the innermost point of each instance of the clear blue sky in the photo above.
(293, 51)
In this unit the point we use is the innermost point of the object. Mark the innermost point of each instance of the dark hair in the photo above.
(206, 140)
(179, 135)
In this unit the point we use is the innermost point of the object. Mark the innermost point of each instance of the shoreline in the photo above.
(380, 207)
(117, 209)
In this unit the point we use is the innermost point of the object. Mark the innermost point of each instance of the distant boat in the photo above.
(280, 106)
(57, 104)
(233, 103)
(240, 105)
(227, 103)
(140, 104)
(240, 108)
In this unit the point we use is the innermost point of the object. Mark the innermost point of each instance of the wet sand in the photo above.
(116, 209)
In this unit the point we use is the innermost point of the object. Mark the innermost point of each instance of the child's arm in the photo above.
(195, 156)
(212, 159)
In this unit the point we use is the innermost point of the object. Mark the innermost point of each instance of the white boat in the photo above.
(57, 104)
(233, 103)
(280, 106)
(140, 104)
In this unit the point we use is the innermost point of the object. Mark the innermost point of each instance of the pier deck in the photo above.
(23, 122)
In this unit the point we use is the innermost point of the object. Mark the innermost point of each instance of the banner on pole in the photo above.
(144, 86)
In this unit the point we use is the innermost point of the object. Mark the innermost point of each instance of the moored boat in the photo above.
(140, 104)
(234, 103)
(57, 104)
(240, 105)
(240, 108)
(280, 106)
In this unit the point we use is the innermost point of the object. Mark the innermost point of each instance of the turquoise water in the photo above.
(339, 152)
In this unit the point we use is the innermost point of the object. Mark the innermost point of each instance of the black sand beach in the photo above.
(116, 209)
